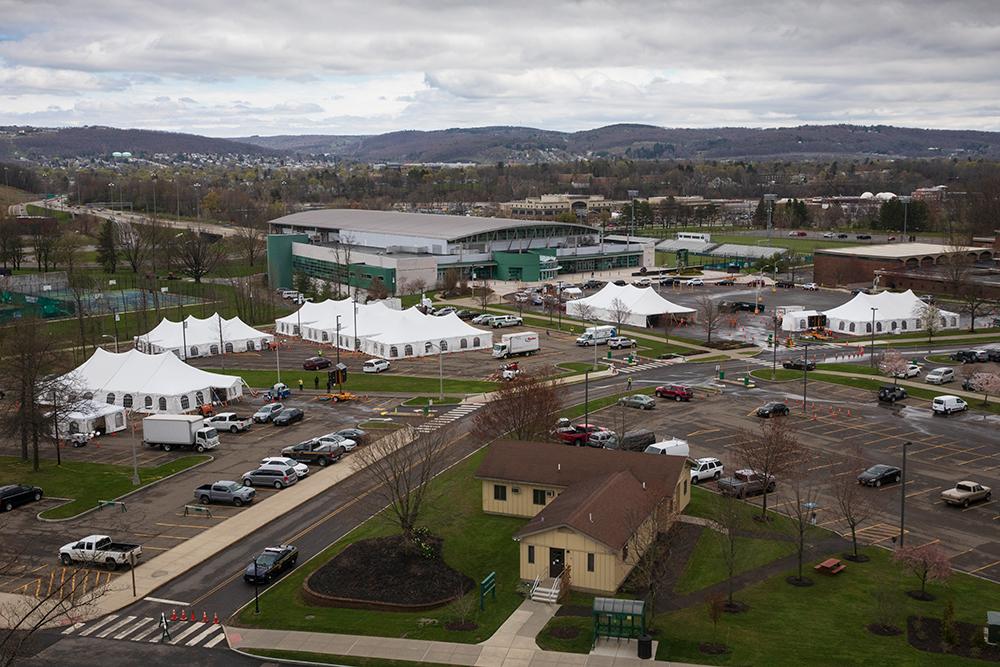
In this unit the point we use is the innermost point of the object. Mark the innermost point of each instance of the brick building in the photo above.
(841, 266)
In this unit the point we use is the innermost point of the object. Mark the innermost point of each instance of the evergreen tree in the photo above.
(107, 250)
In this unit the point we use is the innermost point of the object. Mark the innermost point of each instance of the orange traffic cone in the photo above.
(192, 617)
(204, 616)
(215, 619)
(173, 615)
(183, 615)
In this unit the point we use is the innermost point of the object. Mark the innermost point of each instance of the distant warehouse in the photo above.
(841, 266)
(358, 247)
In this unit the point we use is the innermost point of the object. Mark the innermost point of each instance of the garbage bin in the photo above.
(645, 647)
(722, 375)
(609, 354)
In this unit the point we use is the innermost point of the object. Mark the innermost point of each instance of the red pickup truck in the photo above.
(576, 434)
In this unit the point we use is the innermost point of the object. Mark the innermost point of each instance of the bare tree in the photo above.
(449, 281)
(667, 323)
(854, 505)
(929, 317)
(928, 562)
(620, 312)
(377, 289)
(249, 241)
(709, 314)
(484, 294)
(199, 253)
(801, 493)
(769, 450)
(894, 364)
(976, 301)
(136, 244)
(730, 518)
(522, 408)
(402, 471)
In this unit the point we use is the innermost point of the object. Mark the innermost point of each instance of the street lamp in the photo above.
(902, 495)
(111, 194)
(770, 199)
(586, 396)
(440, 371)
(805, 376)
(905, 201)
(872, 350)
(184, 329)
(256, 589)
(114, 338)
(177, 185)
(197, 200)
(337, 345)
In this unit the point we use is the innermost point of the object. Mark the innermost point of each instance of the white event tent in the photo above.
(641, 306)
(150, 382)
(894, 312)
(90, 416)
(196, 337)
(382, 331)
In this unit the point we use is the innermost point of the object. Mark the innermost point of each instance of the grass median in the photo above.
(85, 482)
(331, 659)
(361, 382)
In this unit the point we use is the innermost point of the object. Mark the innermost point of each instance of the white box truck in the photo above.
(597, 335)
(180, 431)
(513, 344)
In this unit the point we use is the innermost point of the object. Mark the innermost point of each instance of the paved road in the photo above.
(59, 203)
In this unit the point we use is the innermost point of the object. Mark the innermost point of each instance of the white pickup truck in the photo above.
(230, 421)
(101, 550)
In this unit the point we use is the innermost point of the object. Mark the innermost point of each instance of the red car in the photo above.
(316, 363)
(577, 434)
(678, 392)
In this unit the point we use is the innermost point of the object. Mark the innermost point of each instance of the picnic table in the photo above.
(830, 566)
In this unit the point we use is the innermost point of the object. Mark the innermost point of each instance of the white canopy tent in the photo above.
(202, 337)
(150, 382)
(892, 312)
(638, 306)
(798, 320)
(308, 313)
(93, 417)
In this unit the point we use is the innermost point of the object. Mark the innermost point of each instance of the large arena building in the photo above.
(356, 247)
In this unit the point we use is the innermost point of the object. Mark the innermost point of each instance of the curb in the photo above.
(289, 661)
(124, 495)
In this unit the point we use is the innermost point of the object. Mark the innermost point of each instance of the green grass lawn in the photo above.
(579, 644)
(330, 659)
(782, 240)
(578, 367)
(61, 216)
(418, 401)
(361, 382)
(943, 359)
(85, 482)
(706, 566)
(474, 543)
(849, 368)
(903, 343)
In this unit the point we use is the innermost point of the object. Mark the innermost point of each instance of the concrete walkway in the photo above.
(512, 645)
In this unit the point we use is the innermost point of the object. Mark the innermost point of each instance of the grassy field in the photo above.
(10, 196)
(61, 216)
(329, 659)
(432, 400)
(361, 382)
(849, 368)
(474, 543)
(707, 567)
(781, 239)
(85, 482)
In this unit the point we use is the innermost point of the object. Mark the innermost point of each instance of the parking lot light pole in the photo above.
(805, 377)
(770, 199)
(586, 396)
(774, 348)
(337, 345)
(256, 589)
(277, 359)
(905, 201)
(902, 496)
(872, 350)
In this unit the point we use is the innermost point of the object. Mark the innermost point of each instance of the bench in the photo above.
(830, 566)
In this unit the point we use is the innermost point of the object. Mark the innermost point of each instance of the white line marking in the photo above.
(109, 630)
(103, 621)
(145, 633)
(135, 626)
(162, 601)
(209, 630)
(192, 627)
(215, 640)
(73, 628)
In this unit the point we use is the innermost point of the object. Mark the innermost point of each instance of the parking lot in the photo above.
(943, 451)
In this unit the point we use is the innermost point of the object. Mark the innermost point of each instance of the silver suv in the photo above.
(267, 412)
(274, 476)
(707, 468)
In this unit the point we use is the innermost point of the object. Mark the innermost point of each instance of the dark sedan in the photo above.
(356, 434)
(270, 563)
(772, 410)
(799, 364)
(13, 495)
(288, 416)
(879, 474)
(316, 363)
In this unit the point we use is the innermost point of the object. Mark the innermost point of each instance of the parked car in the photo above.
(483, 318)
(810, 286)
(841, 236)
(282, 462)
(304, 446)
(358, 435)
(322, 454)
(506, 321)
(606, 439)
(828, 235)
(784, 284)
(640, 401)
(575, 434)
(911, 371)
(636, 440)
(229, 421)
(621, 342)
(773, 409)
(270, 563)
(965, 356)
(745, 483)
(267, 412)
(965, 493)
(705, 468)
(224, 491)
(316, 363)
(593, 284)
(279, 478)
(993, 353)
(465, 314)
(891, 393)
(940, 376)
(945, 405)
(799, 364)
(375, 366)
(725, 282)
(447, 310)
(337, 439)
(288, 416)
(643, 282)
(693, 282)
(927, 298)
(982, 355)
(100, 549)
(677, 392)
(15, 495)
(863, 237)
(880, 474)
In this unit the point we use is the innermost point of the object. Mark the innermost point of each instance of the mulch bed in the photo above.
(926, 634)
(921, 597)
(574, 610)
(860, 558)
(736, 607)
(712, 648)
(883, 630)
(379, 570)
(565, 632)
(804, 582)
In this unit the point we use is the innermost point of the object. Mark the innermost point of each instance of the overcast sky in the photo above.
(228, 68)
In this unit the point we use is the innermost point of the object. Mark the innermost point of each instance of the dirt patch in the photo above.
(380, 573)
(921, 596)
(883, 630)
(736, 607)
(927, 634)
(804, 582)
(860, 558)
(461, 626)
(712, 648)
(564, 632)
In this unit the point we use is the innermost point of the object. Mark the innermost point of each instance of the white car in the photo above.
(375, 366)
(483, 318)
(693, 282)
(282, 462)
(810, 286)
(948, 404)
(620, 342)
(829, 235)
(336, 439)
(643, 282)
(706, 468)
(911, 371)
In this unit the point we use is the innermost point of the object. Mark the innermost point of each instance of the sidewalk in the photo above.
(512, 645)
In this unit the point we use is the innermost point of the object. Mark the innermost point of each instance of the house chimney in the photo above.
(591, 516)
(558, 466)
(643, 486)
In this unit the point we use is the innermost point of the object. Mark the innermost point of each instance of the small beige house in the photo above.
(592, 511)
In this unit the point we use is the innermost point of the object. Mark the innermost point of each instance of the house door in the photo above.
(557, 560)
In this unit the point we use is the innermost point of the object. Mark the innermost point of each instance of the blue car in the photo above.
(270, 563)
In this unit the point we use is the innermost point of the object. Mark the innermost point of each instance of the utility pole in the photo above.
(805, 377)
(222, 344)
(872, 350)
(770, 199)
(902, 496)
(905, 201)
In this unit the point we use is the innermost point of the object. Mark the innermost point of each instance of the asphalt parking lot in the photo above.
(943, 451)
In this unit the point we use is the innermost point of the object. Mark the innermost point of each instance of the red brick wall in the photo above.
(831, 270)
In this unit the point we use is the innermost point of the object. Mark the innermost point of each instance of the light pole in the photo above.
(902, 496)
(277, 359)
(184, 331)
(114, 338)
(905, 201)
(111, 195)
(338, 353)
(805, 377)
(155, 180)
(256, 589)
(586, 396)
(197, 200)
(872, 350)
(177, 185)
(774, 348)
(770, 199)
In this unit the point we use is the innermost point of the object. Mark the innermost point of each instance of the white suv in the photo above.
(506, 321)
(707, 468)
(282, 462)
(375, 366)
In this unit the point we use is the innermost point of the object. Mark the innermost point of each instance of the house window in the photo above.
(499, 492)
(111, 398)
(531, 554)
(148, 402)
(185, 402)
(538, 496)
(127, 401)
(590, 562)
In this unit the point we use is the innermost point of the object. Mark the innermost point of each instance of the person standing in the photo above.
(628, 384)
(301, 384)
(316, 382)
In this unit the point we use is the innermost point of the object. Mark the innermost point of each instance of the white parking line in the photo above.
(97, 625)
(109, 630)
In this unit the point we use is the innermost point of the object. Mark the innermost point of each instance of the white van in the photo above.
(940, 376)
(671, 447)
(597, 335)
(947, 404)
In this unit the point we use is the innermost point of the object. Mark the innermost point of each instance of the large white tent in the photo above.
(196, 337)
(150, 382)
(382, 331)
(892, 312)
(638, 306)
(93, 417)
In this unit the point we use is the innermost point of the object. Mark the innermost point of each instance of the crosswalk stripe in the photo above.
(215, 640)
(107, 631)
(103, 621)
(73, 628)
(132, 628)
(145, 633)
(209, 630)
(192, 627)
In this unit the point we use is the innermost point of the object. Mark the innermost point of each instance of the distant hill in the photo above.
(93, 140)
(525, 144)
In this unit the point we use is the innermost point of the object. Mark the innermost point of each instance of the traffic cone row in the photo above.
(204, 616)
(215, 619)
(183, 615)
(173, 615)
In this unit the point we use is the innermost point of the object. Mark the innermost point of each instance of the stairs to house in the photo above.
(546, 590)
